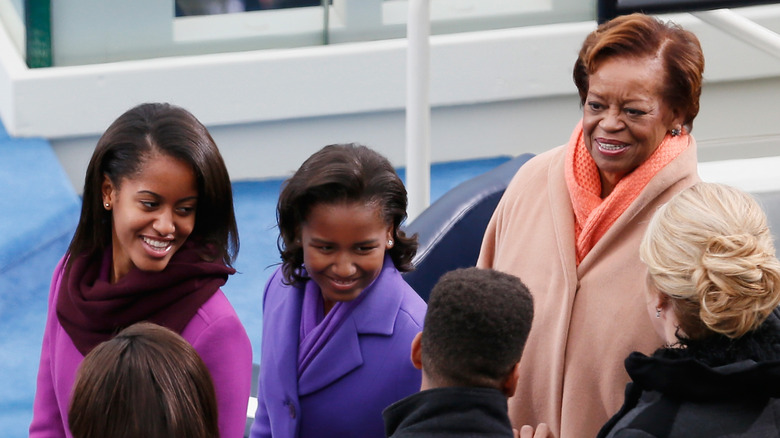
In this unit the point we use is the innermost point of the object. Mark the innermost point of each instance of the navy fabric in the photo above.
(450, 230)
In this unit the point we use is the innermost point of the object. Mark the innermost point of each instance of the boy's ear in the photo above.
(510, 384)
(417, 351)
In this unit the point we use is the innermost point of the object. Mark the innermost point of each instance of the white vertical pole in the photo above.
(418, 110)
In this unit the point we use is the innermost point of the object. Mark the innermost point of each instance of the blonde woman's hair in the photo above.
(709, 249)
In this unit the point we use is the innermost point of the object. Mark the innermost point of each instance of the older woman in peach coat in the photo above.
(570, 223)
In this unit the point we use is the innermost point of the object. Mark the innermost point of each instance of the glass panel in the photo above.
(357, 20)
(265, 29)
(454, 16)
(84, 34)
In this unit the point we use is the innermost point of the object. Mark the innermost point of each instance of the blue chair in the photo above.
(450, 230)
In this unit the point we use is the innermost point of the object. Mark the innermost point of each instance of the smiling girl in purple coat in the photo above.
(338, 318)
(155, 241)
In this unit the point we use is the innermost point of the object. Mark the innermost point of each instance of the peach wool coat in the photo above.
(587, 318)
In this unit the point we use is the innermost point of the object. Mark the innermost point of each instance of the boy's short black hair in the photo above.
(476, 327)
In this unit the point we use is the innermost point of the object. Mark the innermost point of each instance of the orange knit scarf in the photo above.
(593, 215)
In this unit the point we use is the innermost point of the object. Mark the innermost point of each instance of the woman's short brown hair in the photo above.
(637, 36)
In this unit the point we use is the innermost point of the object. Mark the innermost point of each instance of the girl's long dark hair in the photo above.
(122, 152)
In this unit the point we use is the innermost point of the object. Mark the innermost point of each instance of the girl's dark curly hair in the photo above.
(341, 173)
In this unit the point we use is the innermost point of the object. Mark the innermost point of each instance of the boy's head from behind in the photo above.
(475, 330)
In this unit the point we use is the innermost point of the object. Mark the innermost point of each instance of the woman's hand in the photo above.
(527, 431)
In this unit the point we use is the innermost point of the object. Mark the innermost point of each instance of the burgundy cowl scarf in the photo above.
(92, 310)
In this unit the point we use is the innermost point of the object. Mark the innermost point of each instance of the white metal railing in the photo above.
(746, 30)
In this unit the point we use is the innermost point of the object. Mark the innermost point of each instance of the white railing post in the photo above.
(418, 110)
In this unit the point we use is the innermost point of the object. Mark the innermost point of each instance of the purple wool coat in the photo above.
(362, 369)
(215, 332)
